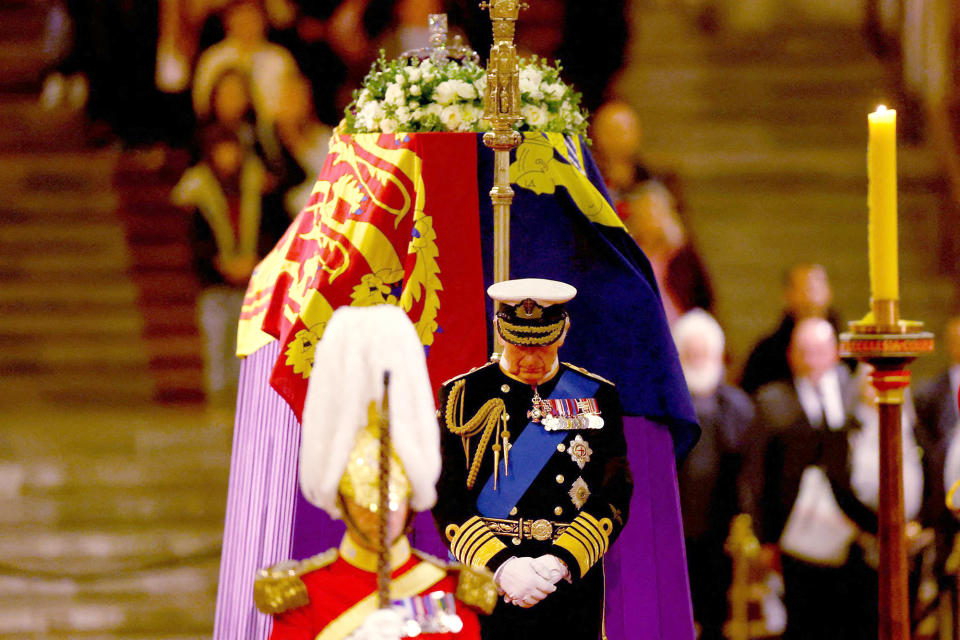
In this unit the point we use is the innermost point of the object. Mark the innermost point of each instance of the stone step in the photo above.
(199, 578)
(50, 234)
(25, 126)
(122, 321)
(70, 389)
(97, 431)
(181, 613)
(67, 172)
(200, 504)
(103, 287)
(102, 552)
(693, 163)
(69, 353)
(72, 471)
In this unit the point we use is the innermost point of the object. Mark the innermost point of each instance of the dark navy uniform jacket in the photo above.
(593, 501)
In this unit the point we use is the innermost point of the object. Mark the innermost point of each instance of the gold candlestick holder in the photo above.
(889, 344)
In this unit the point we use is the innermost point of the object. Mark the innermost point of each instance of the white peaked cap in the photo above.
(544, 292)
(358, 346)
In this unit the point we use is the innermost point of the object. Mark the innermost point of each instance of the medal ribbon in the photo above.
(531, 451)
(563, 407)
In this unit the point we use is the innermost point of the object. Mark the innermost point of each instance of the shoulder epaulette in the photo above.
(476, 588)
(466, 373)
(589, 373)
(279, 588)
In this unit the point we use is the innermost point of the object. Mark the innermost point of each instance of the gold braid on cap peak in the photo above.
(485, 421)
(530, 335)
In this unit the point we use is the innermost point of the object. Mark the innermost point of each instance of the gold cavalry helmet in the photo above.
(360, 482)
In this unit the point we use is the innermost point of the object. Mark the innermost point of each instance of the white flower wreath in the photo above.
(411, 95)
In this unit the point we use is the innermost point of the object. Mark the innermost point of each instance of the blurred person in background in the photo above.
(617, 135)
(937, 426)
(653, 223)
(231, 107)
(230, 231)
(245, 47)
(809, 490)
(298, 147)
(708, 477)
(806, 294)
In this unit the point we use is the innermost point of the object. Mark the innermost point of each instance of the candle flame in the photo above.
(881, 108)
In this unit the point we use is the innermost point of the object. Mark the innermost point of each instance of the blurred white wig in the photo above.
(358, 346)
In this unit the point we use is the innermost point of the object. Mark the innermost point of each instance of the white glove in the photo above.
(382, 624)
(551, 568)
(520, 582)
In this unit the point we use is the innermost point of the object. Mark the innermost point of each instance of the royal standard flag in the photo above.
(406, 219)
(400, 219)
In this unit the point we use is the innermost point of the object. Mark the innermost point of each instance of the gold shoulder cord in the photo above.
(486, 420)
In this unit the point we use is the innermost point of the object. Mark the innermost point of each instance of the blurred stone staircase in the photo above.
(111, 503)
(768, 132)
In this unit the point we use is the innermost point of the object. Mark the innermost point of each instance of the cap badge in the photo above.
(529, 310)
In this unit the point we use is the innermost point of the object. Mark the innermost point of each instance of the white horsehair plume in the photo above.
(358, 346)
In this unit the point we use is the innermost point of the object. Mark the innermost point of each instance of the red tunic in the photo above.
(337, 587)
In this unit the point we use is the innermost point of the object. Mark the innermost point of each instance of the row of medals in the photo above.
(434, 612)
(543, 413)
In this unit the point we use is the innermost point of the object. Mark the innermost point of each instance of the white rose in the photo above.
(554, 91)
(414, 89)
(530, 79)
(465, 90)
(535, 116)
(452, 117)
(363, 98)
(434, 109)
(399, 79)
(403, 115)
(445, 93)
(370, 115)
(388, 125)
(394, 94)
(471, 114)
(413, 73)
(426, 70)
(480, 84)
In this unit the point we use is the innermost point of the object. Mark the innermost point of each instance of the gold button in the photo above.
(560, 447)
(558, 510)
(515, 541)
(513, 511)
(505, 388)
(560, 478)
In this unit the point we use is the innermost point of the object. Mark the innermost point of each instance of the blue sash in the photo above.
(531, 451)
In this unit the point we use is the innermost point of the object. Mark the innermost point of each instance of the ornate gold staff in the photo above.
(383, 504)
(501, 108)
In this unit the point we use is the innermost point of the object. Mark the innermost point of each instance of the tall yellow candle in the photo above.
(882, 202)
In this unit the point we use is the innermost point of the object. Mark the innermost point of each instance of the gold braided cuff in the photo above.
(587, 539)
(524, 335)
(474, 544)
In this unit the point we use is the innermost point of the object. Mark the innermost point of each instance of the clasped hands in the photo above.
(526, 581)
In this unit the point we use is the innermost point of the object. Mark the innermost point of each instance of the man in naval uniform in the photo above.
(535, 483)
(334, 595)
